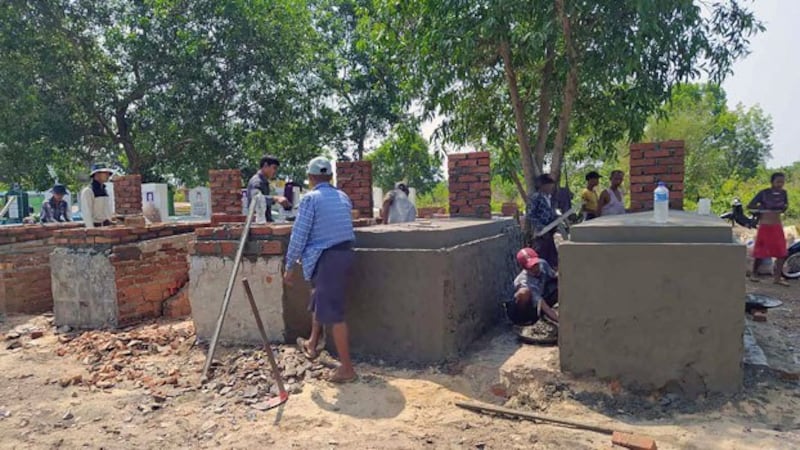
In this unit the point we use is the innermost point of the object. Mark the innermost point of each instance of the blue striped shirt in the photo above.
(323, 221)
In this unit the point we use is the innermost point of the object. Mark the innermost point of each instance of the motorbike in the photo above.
(737, 216)
(791, 268)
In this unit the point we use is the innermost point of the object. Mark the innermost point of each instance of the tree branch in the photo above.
(545, 105)
(570, 91)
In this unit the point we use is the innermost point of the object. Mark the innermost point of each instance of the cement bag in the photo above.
(765, 268)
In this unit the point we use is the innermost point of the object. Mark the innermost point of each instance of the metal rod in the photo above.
(275, 370)
(229, 289)
(481, 408)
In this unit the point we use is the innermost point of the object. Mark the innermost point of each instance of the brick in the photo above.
(642, 162)
(759, 316)
(281, 230)
(457, 156)
(633, 441)
(642, 179)
(466, 163)
(642, 146)
(482, 169)
(207, 248)
(657, 153)
(271, 248)
(479, 155)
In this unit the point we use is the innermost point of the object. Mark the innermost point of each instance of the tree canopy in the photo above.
(499, 70)
(405, 156)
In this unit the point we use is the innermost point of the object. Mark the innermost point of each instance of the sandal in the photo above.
(754, 279)
(303, 347)
(783, 283)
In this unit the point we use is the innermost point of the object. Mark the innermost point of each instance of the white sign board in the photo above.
(200, 201)
(156, 194)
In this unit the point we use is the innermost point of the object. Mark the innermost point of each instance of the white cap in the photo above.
(320, 166)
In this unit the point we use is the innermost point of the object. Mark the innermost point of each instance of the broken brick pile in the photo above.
(355, 179)
(226, 195)
(25, 267)
(653, 162)
(127, 195)
(470, 185)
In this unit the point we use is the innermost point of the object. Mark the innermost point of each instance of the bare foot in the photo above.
(782, 283)
(342, 376)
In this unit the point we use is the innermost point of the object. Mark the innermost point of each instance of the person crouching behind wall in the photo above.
(95, 203)
(535, 291)
(322, 237)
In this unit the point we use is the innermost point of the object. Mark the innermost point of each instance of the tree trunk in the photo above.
(545, 107)
(528, 168)
(570, 93)
(124, 137)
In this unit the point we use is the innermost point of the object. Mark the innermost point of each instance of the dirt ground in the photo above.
(141, 389)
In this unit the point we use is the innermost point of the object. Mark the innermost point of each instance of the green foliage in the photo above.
(438, 196)
(505, 73)
(405, 155)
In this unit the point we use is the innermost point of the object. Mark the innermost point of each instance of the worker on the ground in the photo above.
(535, 291)
(322, 239)
(56, 208)
(260, 182)
(96, 207)
(541, 212)
(589, 197)
(612, 200)
(397, 206)
(770, 239)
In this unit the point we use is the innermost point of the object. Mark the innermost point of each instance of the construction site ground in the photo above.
(140, 388)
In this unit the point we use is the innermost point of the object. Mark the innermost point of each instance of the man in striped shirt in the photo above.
(322, 239)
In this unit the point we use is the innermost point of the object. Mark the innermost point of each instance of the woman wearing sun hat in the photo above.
(96, 207)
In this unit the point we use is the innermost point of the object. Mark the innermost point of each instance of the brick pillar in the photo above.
(226, 194)
(470, 185)
(653, 162)
(355, 179)
(128, 195)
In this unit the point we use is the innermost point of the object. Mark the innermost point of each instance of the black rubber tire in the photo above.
(791, 267)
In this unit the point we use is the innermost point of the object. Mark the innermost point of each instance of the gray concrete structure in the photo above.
(84, 288)
(208, 277)
(653, 305)
(421, 291)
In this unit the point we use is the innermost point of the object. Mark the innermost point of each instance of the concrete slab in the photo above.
(653, 314)
(208, 278)
(84, 288)
(429, 234)
(640, 227)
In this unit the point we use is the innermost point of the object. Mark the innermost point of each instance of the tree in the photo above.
(405, 155)
(498, 69)
(158, 87)
(365, 89)
(721, 143)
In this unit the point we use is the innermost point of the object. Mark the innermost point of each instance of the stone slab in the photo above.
(640, 227)
(208, 278)
(653, 315)
(429, 234)
(84, 290)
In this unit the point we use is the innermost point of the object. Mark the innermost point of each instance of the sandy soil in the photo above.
(387, 408)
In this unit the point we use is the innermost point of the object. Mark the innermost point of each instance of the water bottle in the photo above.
(661, 203)
(261, 209)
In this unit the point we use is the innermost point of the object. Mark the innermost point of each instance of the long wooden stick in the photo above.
(276, 372)
(483, 409)
(229, 289)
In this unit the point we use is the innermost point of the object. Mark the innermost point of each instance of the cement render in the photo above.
(653, 315)
(84, 290)
(682, 227)
(208, 278)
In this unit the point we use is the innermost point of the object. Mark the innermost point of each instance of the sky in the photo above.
(770, 76)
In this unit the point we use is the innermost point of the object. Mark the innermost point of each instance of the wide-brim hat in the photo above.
(59, 189)
(99, 167)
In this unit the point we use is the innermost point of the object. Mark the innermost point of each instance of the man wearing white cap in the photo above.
(322, 239)
(95, 203)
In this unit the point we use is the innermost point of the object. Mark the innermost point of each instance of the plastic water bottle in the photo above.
(661, 203)
(261, 209)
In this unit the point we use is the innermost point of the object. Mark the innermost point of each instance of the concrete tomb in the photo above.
(421, 292)
(653, 305)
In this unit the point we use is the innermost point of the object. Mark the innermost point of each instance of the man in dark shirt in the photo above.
(541, 212)
(260, 183)
(56, 209)
(770, 240)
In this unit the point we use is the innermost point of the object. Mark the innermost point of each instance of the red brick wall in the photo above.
(470, 184)
(355, 179)
(128, 195)
(148, 275)
(226, 191)
(653, 162)
(25, 267)
(117, 235)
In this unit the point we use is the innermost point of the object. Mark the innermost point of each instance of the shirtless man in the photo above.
(770, 240)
